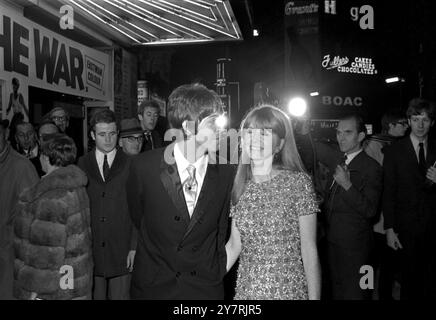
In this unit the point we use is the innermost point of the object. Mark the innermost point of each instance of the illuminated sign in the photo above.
(358, 65)
(291, 9)
(342, 101)
(47, 60)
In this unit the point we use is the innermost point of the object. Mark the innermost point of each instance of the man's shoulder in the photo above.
(148, 157)
(368, 161)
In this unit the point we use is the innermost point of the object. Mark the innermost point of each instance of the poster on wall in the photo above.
(38, 57)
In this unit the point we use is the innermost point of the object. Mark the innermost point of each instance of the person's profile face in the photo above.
(26, 136)
(105, 136)
(348, 138)
(420, 125)
(59, 117)
(149, 118)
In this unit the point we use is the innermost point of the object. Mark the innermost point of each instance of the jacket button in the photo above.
(200, 221)
(178, 274)
(103, 244)
(103, 219)
(177, 218)
(193, 273)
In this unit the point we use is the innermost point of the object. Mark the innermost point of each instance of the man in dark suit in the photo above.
(409, 202)
(179, 201)
(114, 241)
(148, 115)
(351, 200)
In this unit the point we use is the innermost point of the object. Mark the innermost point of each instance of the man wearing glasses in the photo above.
(131, 136)
(61, 118)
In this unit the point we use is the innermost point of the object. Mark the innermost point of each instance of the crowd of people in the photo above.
(138, 217)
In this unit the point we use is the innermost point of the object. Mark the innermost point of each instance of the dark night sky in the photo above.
(401, 44)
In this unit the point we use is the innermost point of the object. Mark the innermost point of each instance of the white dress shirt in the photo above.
(182, 165)
(415, 143)
(100, 159)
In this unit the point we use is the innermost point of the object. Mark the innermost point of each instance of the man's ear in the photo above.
(140, 117)
(7, 134)
(188, 128)
(432, 123)
(361, 136)
(93, 135)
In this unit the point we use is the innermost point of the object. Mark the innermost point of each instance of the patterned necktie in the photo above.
(190, 188)
(421, 156)
(105, 168)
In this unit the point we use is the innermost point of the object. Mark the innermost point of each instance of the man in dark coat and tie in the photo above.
(114, 237)
(351, 201)
(179, 199)
(409, 203)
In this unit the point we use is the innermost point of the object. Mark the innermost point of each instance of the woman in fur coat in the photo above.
(53, 257)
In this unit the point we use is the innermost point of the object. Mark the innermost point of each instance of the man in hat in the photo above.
(131, 136)
(16, 174)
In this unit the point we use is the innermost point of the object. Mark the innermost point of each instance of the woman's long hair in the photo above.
(267, 117)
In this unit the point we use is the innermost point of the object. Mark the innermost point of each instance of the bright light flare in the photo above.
(221, 121)
(394, 79)
(297, 107)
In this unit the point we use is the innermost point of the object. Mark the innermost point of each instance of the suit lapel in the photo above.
(172, 184)
(91, 164)
(431, 153)
(204, 198)
(118, 164)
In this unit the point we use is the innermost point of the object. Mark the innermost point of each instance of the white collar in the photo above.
(352, 155)
(416, 142)
(182, 163)
(110, 156)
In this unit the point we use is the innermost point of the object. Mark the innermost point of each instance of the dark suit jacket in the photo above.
(408, 204)
(349, 213)
(157, 142)
(178, 257)
(112, 230)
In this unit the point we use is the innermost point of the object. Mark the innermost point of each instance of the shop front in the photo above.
(52, 71)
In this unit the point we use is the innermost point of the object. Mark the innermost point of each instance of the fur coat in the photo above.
(52, 230)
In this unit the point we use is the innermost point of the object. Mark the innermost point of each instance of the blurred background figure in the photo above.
(53, 227)
(47, 127)
(27, 144)
(394, 126)
(131, 136)
(61, 118)
(16, 174)
(148, 115)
